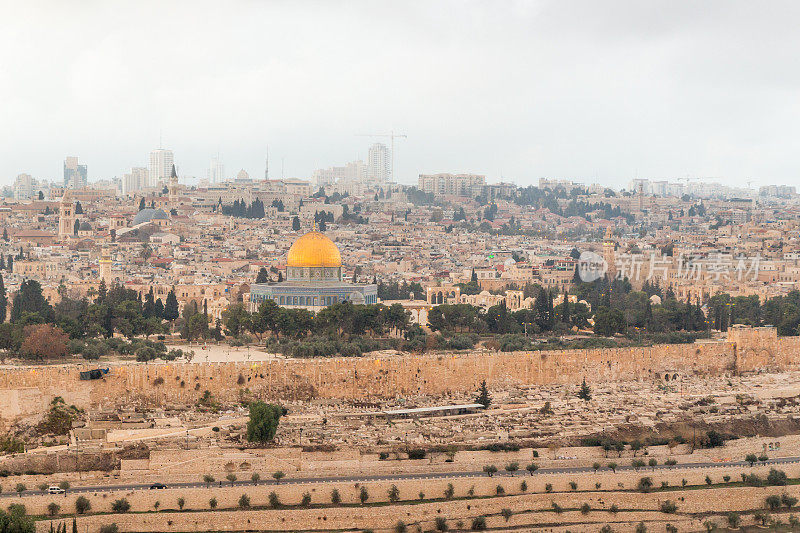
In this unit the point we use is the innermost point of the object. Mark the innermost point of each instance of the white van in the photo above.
(55, 489)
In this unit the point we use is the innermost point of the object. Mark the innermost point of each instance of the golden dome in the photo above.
(314, 250)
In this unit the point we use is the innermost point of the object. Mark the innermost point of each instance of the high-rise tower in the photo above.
(161, 162)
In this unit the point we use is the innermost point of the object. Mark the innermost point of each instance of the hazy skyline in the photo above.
(591, 91)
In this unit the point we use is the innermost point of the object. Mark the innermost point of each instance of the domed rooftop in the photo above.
(85, 226)
(314, 250)
(148, 215)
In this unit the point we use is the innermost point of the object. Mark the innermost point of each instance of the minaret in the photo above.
(608, 254)
(173, 188)
(105, 266)
(66, 216)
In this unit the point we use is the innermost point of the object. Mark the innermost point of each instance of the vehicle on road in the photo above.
(157, 486)
(55, 489)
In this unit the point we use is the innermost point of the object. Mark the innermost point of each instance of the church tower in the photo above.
(105, 266)
(608, 254)
(173, 188)
(66, 216)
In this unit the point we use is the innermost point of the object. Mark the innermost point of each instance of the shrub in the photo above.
(612, 466)
(110, 528)
(20, 488)
(82, 504)
(181, 503)
(573, 485)
(531, 468)
(212, 503)
(734, 520)
(244, 501)
(645, 484)
(363, 495)
(512, 467)
(726, 478)
(421, 495)
(208, 479)
(670, 462)
(278, 475)
(637, 464)
(641, 528)
(490, 470)
(394, 493)
(585, 508)
(652, 463)
(614, 509)
(478, 523)
(449, 491)
(776, 477)
(417, 453)
(788, 501)
(306, 500)
(383, 456)
(548, 487)
(773, 502)
(556, 508)
(156, 505)
(708, 480)
(336, 498)
(763, 458)
(121, 506)
(255, 478)
(441, 523)
(42, 486)
(668, 507)
(274, 501)
(752, 480)
(231, 477)
(606, 529)
(523, 487)
(53, 508)
(751, 458)
(400, 527)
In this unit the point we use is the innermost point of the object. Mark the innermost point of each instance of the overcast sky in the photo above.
(594, 91)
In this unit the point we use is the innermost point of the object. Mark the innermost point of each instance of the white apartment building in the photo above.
(216, 171)
(379, 163)
(352, 171)
(161, 162)
(23, 187)
(451, 184)
(135, 180)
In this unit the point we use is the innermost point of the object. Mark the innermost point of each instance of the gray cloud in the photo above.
(589, 90)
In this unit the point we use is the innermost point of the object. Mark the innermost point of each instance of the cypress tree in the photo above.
(3, 300)
(171, 306)
(483, 395)
(565, 311)
(585, 393)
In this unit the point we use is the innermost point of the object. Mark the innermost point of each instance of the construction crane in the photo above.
(392, 135)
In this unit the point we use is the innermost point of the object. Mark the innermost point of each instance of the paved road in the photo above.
(400, 477)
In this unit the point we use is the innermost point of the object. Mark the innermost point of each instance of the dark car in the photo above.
(157, 486)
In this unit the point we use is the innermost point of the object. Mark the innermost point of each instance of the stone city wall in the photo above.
(26, 391)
